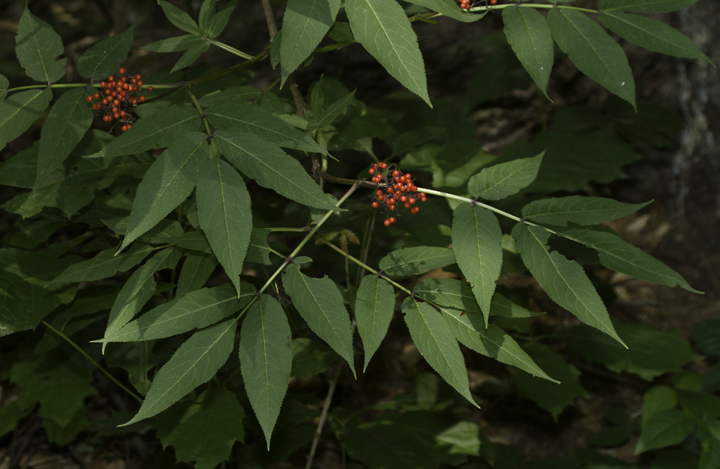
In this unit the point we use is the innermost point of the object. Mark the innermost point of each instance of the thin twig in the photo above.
(272, 27)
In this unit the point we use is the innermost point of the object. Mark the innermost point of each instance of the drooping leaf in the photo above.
(320, 303)
(179, 18)
(194, 363)
(271, 167)
(190, 56)
(159, 131)
(374, 307)
(304, 25)
(224, 210)
(477, 244)
(175, 44)
(529, 36)
(416, 261)
(665, 428)
(579, 210)
(266, 360)
(195, 272)
(168, 182)
(504, 179)
(651, 34)
(104, 58)
(593, 51)
(37, 45)
(105, 264)
(434, 339)
(205, 429)
(383, 29)
(564, 281)
(253, 119)
(618, 255)
(63, 129)
(195, 310)
(19, 111)
(645, 6)
(450, 9)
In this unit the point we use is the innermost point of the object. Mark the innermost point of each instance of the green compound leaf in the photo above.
(383, 29)
(195, 310)
(191, 56)
(451, 9)
(271, 167)
(593, 51)
(169, 181)
(665, 428)
(652, 34)
(304, 25)
(207, 12)
(138, 290)
(618, 255)
(504, 179)
(104, 265)
(192, 428)
(159, 131)
(104, 58)
(194, 363)
(374, 307)
(645, 6)
(320, 303)
(266, 360)
(196, 271)
(179, 18)
(252, 119)
(492, 342)
(175, 44)
(564, 281)
(435, 340)
(579, 210)
(19, 111)
(223, 205)
(221, 18)
(477, 244)
(529, 36)
(36, 46)
(67, 122)
(416, 261)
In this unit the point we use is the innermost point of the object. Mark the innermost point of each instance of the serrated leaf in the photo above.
(564, 281)
(160, 131)
(258, 249)
(190, 56)
(593, 51)
(63, 129)
(266, 360)
(504, 179)
(618, 255)
(492, 341)
(434, 339)
(271, 167)
(334, 111)
(105, 264)
(221, 18)
(196, 271)
(383, 29)
(169, 181)
(652, 34)
(138, 290)
(304, 25)
(529, 36)
(19, 111)
(174, 44)
(37, 45)
(223, 205)
(254, 120)
(207, 12)
(195, 310)
(477, 244)
(666, 428)
(579, 210)
(194, 363)
(416, 261)
(179, 18)
(646, 6)
(104, 58)
(374, 308)
(451, 9)
(320, 303)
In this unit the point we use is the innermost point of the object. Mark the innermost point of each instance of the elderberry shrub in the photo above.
(117, 98)
(400, 191)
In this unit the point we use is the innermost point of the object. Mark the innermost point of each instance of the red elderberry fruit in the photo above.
(375, 205)
(150, 88)
(387, 222)
(141, 99)
(89, 98)
(371, 170)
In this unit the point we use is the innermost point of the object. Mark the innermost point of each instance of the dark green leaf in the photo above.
(333, 111)
(504, 179)
(37, 45)
(175, 44)
(207, 12)
(19, 111)
(646, 6)
(666, 428)
(191, 56)
(311, 357)
(529, 36)
(707, 336)
(258, 249)
(374, 307)
(416, 261)
(657, 399)
(221, 18)
(266, 360)
(105, 264)
(450, 9)
(195, 272)
(579, 210)
(179, 18)
(104, 58)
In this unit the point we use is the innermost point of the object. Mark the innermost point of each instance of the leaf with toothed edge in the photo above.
(374, 308)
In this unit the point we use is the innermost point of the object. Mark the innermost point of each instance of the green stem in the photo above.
(230, 49)
(289, 230)
(434, 14)
(83, 353)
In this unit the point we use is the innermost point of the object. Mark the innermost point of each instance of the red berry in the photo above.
(133, 101)
(381, 198)
(392, 208)
(371, 170)
(128, 126)
(142, 99)
(424, 199)
(391, 200)
(116, 102)
(392, 219)
(111, 78)
(422, 194)
(104, 101)
(103, 84)
(138, 76)
(407, 176)
(150, 88)
(375, 205)
(407, 205)
(94, 107)
(415, 210)
(390, 190)
(379, 192)
(122, 70)
(96, 96)
(403, 199)
(494, 2)
(383, 165)
(395, 173)
(89, 98)
(123, 113)
(387, 222)
(411, 200)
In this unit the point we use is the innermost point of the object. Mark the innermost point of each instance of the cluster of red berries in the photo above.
(400, 192)
(466, 4)
(117, 98)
